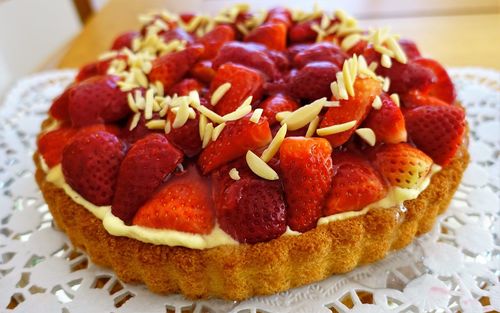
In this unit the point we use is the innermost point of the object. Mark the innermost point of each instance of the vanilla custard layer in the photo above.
(115, 226)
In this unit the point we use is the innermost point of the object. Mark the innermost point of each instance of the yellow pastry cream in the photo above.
(217, 237)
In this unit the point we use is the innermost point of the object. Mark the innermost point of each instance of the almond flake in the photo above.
(334, 129)
(135, 121)
(386, 61)
(304, 115)
(156, 124)
(311, 129)
(275, 144)
(207, 135)
(350, 41)
(217, 131)
(181, 116)
(256, 115)
(395, 98)
(219, 93)
(201, 125)
(377, 103)
(234, 174)
(259, 167)
(368, 135)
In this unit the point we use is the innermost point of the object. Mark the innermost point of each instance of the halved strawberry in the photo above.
(355, 108)
(416, 98)
(203, 71)
(253, 210)
(437, 130)
(279, 15)
(387, 123)
(186, 137)
(313, 80)
(51, 144)
(275, 104)
(302, 32)
(271, 35)
(244, 81)
(234, 141)
(186, 85)
(401, 164)
(124, 40)
(146, 165)
(306, 167)
(97, 100)
(443, 88)
(321, 51)
(170, 68)
(59, 107)
(183, 204)
(355, 184)
(215, 39)
(90, 165)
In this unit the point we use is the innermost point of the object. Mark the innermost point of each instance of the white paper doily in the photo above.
(447, 270)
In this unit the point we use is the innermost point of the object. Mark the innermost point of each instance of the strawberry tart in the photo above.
(248, 153)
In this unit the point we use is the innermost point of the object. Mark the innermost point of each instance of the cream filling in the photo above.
(217, 237)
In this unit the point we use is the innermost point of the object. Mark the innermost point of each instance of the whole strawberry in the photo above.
(124, 40)
(313, 80)
(318, 52)
(306, 167)
(437, 130)
(272, 35)
(145, 167)
(90, 165)
(213, 40)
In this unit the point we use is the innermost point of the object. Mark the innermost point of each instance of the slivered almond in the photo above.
(241, 111)
(259, 167)
(280, 116)
(219, 93)
(383, 50)
(304, 115)
(387, 84)
(334, 87)
(399, 53)
(342, 91)
(131, 103)
(160, 91)
(217, 131)
(334, 129)
(348, 79)
(201, 125)
(135, 121)
(181, 115)
(395, 98)
(256, 115)
(311, 129)
(194, 98)
(156, 124)
(275, 144)
(168, 127)
(234, 174)
(373, 66)
(148, 108)
(386, 61)
(331, 104)
(368, 135)
(377, 103)
(211, 115)
(207, 135)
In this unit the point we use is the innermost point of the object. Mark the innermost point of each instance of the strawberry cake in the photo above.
(248, 153)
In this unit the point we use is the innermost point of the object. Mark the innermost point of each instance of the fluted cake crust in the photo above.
(241, 271)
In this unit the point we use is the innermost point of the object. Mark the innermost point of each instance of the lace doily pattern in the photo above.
(453, 268)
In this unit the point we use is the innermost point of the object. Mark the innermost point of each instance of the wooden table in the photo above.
(456, 32)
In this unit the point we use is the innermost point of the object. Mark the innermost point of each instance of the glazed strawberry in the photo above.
(183, 87)
(203, 71)
(322, 51)
(183, 204)
(387, 123)
(313, 81)
(176, 33)
(275, 104)
(271, 35)
(221, 180)
(302, 32)
(279, 15)
(139, 131)
(249, 54)
(171, 67)
(410, 48)
(280, 59)
(59, 107)
(354, 108)
(90, 165)
(86, 71)
(97, 100)
(416, 98)
(437, 130)
(124, 40)
(253, 211)
(306, 167)
(213, 40)
(234, 141)
(402, 165)
(244, 82)
(355, 184)
(443, 87)
(186, 137)
(51, 144)
(146, 165)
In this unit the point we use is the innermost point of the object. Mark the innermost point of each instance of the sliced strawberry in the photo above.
(410, 48)
(59, 107)
(203, 71)
(244, 81)
(279, 15)
(271, 35)
(97, 100)
(313, 80)
(183, 87)
(249, 54)
(124, 40)
(86, 71)
(213, 40)
(170, 68)
(355, 108)
(387, 123)
(90, 165)
(306, 166)
(437, 130)
(302, 32)
(322, 51)
(402, 165)
(146, 165)
(51, 144)
(253, 211)
(443, 88)
(416, 98)
(355, 185)
(275, 104)
(183, 204)
(186, 137)
(234, 141)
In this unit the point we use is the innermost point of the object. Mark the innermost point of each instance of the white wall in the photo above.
(30, 32)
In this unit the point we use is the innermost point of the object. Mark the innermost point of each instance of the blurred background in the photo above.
(40, 35)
